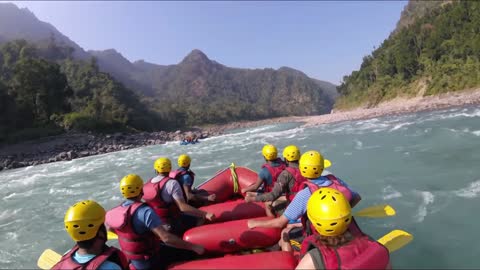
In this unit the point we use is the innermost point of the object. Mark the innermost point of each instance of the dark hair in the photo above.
(335, 241)
(89, 243)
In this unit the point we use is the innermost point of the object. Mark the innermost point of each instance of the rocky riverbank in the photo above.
(71, 146)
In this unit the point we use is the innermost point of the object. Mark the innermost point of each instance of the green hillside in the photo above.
(435, 53)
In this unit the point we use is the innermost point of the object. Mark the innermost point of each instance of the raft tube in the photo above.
(266, 260)
(232, 236)
(222, 184)
(235, 210)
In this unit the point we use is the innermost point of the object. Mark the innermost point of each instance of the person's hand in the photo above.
(211, 197)
(252, 224)
(210, 216)
(198, 249)
(250, 198)
(285, 234)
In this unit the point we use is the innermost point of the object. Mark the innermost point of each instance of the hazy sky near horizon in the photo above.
(324, 39)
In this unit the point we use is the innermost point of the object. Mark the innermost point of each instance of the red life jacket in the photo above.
(299, 179)
(177, 173)
(152, 194)
(308, 228)
(361, 252)
(274, 172)
(135, 246)
(111, 254)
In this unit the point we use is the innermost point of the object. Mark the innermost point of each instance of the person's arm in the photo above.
(253, 187)
(176, 192)
(279, 188)
(197, 197)
(279, 222)
(306, 263)
(174, 241)
(186, 208)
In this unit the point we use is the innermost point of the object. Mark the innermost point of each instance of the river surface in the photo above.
(425, 165)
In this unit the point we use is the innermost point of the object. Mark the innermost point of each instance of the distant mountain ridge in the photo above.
(192, 91)
(16, 23)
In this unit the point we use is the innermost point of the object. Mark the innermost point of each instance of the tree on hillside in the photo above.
(440, 49)
(39, 89)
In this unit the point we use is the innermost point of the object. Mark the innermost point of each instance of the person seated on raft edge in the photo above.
(84, 223)
(337, 242)
(268, 174)
(140, 231)
(186, 177)
(166, 196)
(311, 166)
(289, 182)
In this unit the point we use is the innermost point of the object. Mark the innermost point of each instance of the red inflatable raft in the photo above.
(235, 210)
(232, 236)
(227, 183)
(230, 233)
(270, 260)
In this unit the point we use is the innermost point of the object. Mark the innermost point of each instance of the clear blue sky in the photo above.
(326, 40)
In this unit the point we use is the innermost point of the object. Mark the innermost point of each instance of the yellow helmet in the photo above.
(184, 161)
(162, 165)
(83, 220)
(269, 151)
(291, 153)
(131, 186)
(329, 212)
(312, 163)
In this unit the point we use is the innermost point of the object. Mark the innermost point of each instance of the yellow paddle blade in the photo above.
(395, 239)
(377, 211)
(326, 163)
(112, 235)
(48, 259)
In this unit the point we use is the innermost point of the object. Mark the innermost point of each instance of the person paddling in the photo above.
(311, 165)
(166, 196)
(267, 177)
(289, 182)
(333, 245)
(141, 233)
(84, 223)
(186, 177)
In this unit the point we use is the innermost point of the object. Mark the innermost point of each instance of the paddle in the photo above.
(376, 211)
(395, 239)
(112, 235)
(48, 259)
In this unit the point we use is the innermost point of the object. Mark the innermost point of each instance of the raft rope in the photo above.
(234, 177)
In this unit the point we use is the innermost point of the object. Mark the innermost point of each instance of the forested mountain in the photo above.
(43, 91)
(433, 53)
(49, 84)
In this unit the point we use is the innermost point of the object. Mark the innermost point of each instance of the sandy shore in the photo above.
(71, 146)
(400, 106)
